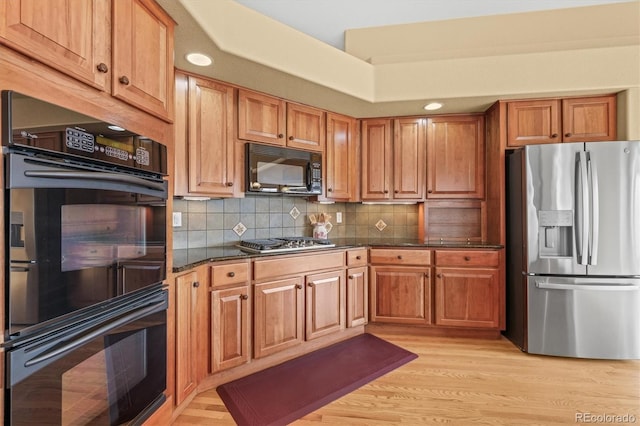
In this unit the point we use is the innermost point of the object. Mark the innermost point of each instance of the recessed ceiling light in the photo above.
(116, 128)
(433, 106)
(199, 59)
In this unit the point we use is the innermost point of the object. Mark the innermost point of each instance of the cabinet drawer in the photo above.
(400, 256)
(283, 266)
(357, 257)
(466, 258)
(235, 273)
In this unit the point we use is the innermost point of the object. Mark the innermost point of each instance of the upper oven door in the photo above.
(77, 238)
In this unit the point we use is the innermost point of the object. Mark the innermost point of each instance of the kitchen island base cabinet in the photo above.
(278, 316)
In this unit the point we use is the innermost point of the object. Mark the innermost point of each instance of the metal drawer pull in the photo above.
(467, 258)
(244, 297)
(400, 257)
(358, 257)
(554, 286)
(231, 274)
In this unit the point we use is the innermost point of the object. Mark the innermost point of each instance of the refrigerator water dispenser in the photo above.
(555, 233)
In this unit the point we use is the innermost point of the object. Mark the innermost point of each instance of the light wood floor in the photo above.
(461, 381)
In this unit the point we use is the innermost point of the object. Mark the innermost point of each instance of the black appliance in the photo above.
(85, 244)
(276, 170)
(284, 244)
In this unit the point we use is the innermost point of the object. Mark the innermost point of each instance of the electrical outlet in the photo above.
(177, 219)
(339, 217)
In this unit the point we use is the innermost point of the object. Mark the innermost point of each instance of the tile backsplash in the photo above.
(212, 222)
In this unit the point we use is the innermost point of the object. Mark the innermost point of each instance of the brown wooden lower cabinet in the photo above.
(357, 296)
(325, 300)
(401, 294)
(467, 297)
(278, 321)
(189, 337)
(229, 327)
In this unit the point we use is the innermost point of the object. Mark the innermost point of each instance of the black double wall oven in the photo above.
(85, 249)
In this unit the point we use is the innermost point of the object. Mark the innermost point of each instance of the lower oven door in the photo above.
(103, 371)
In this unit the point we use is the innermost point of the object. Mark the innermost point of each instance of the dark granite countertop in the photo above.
(184, 259)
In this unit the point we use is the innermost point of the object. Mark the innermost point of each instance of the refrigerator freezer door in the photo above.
(615, 230)
(584, 317)
(555, 228)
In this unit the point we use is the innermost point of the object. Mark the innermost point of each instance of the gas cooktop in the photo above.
(284, 244)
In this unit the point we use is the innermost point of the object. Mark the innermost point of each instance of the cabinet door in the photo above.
(229, 328)
(456, 157)
(72, 36)
(341, 171)
(261, 118)
(186, 335)
(589, 119)
(401, 294)
(305, 128)
(409, 159)
(467, 297)
(532, 122)
(357, 296)
(278, 316)
(143, 56)
(376, 160)
(325, 312)
(211, 156)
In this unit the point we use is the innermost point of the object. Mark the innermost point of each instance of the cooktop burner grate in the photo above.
(283, 244)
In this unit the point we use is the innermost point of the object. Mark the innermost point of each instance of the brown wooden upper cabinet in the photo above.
(128, 53)
(266, 119)
(584, 119)
(341, 159)
(456, 157)
(205, 149)
(393, 169)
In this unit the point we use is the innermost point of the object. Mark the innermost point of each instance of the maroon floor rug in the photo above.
(286, 392)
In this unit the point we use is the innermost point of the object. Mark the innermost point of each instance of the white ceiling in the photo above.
(327, 20)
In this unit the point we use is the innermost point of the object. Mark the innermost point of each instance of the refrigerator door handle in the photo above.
(582, 208)
(594, 212)
(555, 286)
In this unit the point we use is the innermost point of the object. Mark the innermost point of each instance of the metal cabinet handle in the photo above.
(329, 189)
(555, 135)
(244, 297)
(439, 275)
(196, 284)
(231, 274)
(298, 286)
(567, 135)
(400, 257)
(310, 284)
(351, 277)
(467, 258)
(124, 80)
(396, 191)
(291, 138)
(358, 257)
(386, 191)
(429, 191)
(280, 136)
(229, 183)
(102, 67)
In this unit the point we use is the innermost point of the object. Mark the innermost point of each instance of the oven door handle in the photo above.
(137, 314)
(107, 177)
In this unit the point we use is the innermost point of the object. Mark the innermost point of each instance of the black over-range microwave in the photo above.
(276, 170)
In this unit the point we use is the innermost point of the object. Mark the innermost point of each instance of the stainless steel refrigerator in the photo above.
(573, 249)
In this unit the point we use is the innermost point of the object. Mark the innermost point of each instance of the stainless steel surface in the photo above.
(550, 179)
(584, 317)
(284, 245)
(574, 232)
(616, 226)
